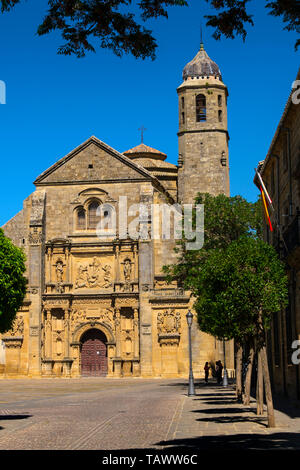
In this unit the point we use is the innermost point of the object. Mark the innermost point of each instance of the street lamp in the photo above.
(225, 378)
(191, 391)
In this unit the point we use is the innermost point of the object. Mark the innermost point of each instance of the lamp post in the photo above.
(225, 378)
(189, 319)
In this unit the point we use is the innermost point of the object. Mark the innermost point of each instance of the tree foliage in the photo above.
(238, 287)
(233, 17)
(114, 24)
(226, 219)
(12, 281)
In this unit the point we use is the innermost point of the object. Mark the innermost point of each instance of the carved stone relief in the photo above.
(37, 208)
(35, 238)
(17, 328)
(168, 322)
(92, 275)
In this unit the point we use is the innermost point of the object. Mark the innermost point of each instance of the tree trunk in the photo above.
(239, 358)
(268, 391)
(265, 370)
(246, 398)
(259, 386)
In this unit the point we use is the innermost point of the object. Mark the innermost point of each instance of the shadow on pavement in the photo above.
(235, 419)
(219, 401)
(220, 411)
(286, 406)
(9, 417)
(238, 441)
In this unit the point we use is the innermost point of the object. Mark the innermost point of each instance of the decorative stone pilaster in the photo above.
(118, 332)
(76, 365)
(67, 333)
(136, 333)
(48, 334)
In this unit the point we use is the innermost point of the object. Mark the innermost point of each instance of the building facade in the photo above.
(100, 305)
(281, 173)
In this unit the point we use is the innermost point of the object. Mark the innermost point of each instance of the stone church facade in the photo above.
(101, 306)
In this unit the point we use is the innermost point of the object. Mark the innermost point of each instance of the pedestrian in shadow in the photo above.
(206, 370)
(219, 368)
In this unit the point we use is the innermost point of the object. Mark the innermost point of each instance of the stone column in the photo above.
(76, 372)
(67, 333)
(118, 360)
(48, 334)
(118, 332)
(67, 257)
(36, 279)
(146, 270)
(117, 263)
(136, 333)
(136, 365)
(135, 259)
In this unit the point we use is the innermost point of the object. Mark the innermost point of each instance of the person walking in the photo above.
(206, 370)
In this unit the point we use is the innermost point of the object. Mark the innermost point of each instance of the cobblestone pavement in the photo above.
(110, 414)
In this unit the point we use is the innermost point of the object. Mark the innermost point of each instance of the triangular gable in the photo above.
(93, 161)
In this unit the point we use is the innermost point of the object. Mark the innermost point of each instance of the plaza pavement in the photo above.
(156, 414)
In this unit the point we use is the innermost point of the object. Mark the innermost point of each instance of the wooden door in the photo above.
(94, 353)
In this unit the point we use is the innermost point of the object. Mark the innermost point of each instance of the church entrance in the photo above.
(94, 353)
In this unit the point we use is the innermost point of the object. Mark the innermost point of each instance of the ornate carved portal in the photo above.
(66, 330)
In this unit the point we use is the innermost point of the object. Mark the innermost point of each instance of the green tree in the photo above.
(237, 291)
(12, 281)
(226, 220)
(114, 24)
(236, 279)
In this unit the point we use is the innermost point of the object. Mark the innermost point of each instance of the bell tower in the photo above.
(203, 135)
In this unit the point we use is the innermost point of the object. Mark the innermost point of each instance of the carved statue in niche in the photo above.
(168, 322)
(59, 271)
(127, 270)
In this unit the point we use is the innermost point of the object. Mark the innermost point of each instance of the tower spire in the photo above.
(201, 40)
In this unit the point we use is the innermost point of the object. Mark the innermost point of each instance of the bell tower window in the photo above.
(200, 108)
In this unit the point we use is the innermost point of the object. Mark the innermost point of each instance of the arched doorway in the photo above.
(94, 353)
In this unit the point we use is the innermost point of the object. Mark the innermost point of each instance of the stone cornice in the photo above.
(195, 131)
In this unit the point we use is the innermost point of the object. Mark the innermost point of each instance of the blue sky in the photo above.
(54, 102)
